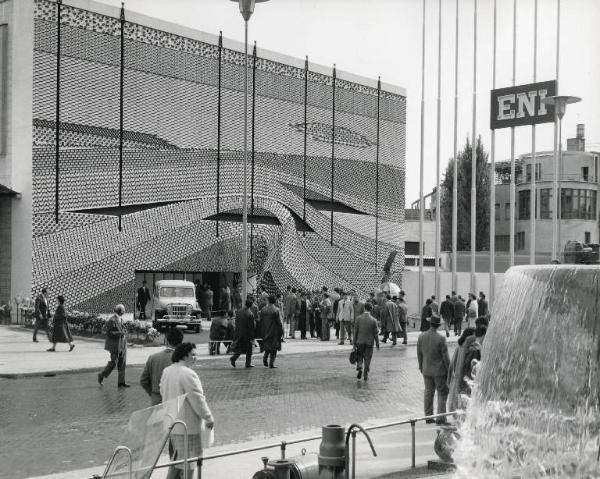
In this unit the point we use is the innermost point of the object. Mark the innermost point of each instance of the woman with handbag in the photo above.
(60, 330)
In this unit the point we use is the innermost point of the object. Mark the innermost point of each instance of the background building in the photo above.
(148, 171)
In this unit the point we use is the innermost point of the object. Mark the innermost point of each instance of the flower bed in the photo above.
(90, 325)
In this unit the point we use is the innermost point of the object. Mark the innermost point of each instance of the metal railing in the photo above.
(112, 459)
(283, 444)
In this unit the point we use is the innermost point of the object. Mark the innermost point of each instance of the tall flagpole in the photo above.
(492, 288)
(511, 238)
(474, 153)
(455, 171)
(533, 193)
(555, 196)
(437, 164)
(422, 161)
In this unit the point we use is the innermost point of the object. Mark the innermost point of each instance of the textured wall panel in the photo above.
(170, 154)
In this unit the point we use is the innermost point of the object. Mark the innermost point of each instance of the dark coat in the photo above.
(41, 308)
(60, 331)
(245, 331)
(116, 336)
(447, 310)
(208, 298)
(432, 353)
(143, 297)
(272, 328)
(426, 312)
(482, 308)
(459, 310)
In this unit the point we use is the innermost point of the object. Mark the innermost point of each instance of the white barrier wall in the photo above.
(410, 285)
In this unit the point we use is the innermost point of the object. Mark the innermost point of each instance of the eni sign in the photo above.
(522, 105)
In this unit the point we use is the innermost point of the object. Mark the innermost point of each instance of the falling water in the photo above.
(535, 406)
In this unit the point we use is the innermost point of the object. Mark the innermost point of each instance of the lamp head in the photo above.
(247, 7)
(560, 103)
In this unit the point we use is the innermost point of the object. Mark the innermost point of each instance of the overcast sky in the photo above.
(383, 37)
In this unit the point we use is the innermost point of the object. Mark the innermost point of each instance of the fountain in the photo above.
(535, 406)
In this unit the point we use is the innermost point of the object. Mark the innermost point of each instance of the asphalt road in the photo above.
(67, 422)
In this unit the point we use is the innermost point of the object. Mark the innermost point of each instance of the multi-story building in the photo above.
(121, 154)
(578, 183)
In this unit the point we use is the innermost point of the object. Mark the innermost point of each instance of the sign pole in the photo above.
(437, 164)
(555, 199)
(511, 238)
(492, 287)
(474, 154)
(422, 160)
(455, 171)
(533, 192)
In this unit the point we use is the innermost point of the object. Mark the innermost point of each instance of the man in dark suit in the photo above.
(143, 298)
(42, 313)
(207, 305)
(244, 334)
(434, 361)
(272, 332)
(116, 345)
(365, 334)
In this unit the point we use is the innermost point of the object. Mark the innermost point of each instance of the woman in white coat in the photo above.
(176, 380)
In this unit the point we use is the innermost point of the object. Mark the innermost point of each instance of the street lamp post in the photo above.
(560, 103)
(246, 9)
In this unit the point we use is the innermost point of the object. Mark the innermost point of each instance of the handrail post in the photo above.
(413, 440)
(283, 444)
(129, 456)
(353, 454)
(199, 463)
(185, 447)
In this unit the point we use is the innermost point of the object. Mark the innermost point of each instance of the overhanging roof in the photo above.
(6, 191)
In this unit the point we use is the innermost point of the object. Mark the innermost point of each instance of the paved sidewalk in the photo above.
(21, 357)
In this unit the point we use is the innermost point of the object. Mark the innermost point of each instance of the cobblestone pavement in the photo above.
(67, 422)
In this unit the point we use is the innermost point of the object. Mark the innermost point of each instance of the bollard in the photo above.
(281, 467)
(332, 451)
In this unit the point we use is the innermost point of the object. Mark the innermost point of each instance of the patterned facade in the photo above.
(183, 146)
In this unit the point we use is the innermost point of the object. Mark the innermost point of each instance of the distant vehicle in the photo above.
(174, 303)
(577, 252)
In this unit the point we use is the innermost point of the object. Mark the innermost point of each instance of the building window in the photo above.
(524, 204)
(412, 247)
(507, 211)
(520, 240)
(497, 212)
(577, 204)
(538, 172)
(545, 203)
(588, 237)
(585, 173)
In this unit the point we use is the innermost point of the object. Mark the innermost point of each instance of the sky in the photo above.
(383, 38)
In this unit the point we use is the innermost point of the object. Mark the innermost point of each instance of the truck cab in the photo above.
(174, 304)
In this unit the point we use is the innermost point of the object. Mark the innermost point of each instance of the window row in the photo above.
(574, 204)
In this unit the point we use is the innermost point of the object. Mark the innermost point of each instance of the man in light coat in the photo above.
(156, 364)
(434, 361)
(345, 316)
(365, 334)
(403, 317)
(392, 320)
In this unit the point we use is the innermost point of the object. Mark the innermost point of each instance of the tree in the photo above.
(464, 200)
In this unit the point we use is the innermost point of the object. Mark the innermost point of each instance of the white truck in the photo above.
(174, 304)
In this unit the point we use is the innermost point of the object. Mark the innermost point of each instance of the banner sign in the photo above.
(522, 105)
